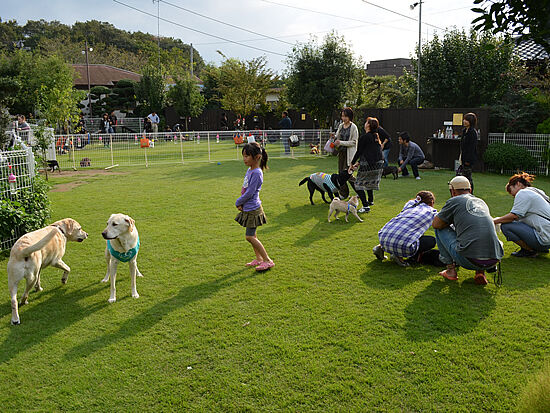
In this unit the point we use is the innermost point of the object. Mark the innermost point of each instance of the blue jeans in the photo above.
(386, 152)
(519, 231)
(448, 254)
(286, 144)
(414, 162)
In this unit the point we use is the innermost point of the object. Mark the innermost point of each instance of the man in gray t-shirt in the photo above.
(473, 242)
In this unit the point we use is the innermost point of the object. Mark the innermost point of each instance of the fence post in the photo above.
(547, 155)
(181, 147)
(74, 157)
(111, 145)
(503, 141)
(208, 140)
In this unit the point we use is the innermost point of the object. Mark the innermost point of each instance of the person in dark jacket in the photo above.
(468, 148)
(409, 154)
(285, 123)
(385, 141)
(370, 161)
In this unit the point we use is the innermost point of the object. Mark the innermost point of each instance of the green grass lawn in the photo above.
(328, 329)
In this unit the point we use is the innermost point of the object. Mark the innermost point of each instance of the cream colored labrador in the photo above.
(122, 246)
(37, 250)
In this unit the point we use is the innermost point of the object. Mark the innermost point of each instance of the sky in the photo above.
(372, 32)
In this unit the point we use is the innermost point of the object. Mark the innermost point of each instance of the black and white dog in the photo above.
(323, 182)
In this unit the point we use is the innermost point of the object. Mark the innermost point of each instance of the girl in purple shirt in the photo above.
(251, 214)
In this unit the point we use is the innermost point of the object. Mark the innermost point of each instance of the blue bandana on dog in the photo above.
(123, 256)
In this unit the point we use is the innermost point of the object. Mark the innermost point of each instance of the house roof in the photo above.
(102, 75)
(529, 50)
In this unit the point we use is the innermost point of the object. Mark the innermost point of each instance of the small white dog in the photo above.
(350, 207)
(122, 245)
(35, 251)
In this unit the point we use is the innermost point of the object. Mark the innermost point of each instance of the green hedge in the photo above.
(508, 156)
(27, 211)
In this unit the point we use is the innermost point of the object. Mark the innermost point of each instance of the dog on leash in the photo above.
(122, 246)
(314, 149)
(323, 182)
(53, 165)
(37, 250)
(349, 207)
(390, 170)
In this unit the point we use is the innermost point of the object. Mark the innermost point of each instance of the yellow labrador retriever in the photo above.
(37, 250)
(122, 246)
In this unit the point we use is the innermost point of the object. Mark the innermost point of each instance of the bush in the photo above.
(27, 212)
(536, 396)
(508, 156)
(544, 127)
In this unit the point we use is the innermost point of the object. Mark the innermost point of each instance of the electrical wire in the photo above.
(402, 15)
(199, 31)
(225, 23)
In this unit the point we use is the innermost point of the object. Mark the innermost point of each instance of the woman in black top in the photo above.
(370, 161)
(468, 147)
(385, 141)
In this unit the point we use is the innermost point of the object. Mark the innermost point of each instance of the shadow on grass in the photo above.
(447, 308)
(389, 276)
(46, 318)
(524, 273)
(148, 318)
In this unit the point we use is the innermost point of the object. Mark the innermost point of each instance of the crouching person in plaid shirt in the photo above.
(403, 236)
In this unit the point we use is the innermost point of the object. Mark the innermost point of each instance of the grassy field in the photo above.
(328, 329)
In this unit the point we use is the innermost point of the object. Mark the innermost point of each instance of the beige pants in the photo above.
(155, 127)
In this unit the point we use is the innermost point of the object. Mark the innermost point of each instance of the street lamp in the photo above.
(85, 52)
(419, 4)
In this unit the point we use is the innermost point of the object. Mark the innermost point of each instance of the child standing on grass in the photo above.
(251, 213)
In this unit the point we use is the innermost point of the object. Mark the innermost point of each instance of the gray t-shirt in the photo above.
(475, 231)
(533, 209)
(344, 133)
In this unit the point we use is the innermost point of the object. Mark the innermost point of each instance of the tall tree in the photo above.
(186, 97)
(528, 19)
(319, 76)
(465, 70)
(243, 84)
(150, 91)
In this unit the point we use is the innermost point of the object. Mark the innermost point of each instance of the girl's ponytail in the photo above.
(263, 161)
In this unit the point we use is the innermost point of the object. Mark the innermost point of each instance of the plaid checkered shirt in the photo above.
(401, 234)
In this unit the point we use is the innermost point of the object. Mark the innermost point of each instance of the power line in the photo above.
(199, 31)
(225, 23)
(401, 14)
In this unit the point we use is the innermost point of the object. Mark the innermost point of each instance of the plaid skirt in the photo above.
(251, 219)
(368, 177)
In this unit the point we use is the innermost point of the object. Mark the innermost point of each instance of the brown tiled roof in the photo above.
(102, 75)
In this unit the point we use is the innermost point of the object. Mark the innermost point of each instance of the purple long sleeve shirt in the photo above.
(250, 192)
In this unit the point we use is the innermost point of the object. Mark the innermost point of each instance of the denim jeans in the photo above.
(386, 152)
(448, 254)
(519, 231)
(414, 162)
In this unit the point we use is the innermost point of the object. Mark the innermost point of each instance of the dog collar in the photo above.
(351, 205)
(60, 229)
(123, 256)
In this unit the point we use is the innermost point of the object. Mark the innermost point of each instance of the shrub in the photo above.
(26, 212)
(508, 156)
(544, 127)
(535, 397)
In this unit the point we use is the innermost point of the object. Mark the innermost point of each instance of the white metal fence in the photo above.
(538, 145)
(98, 150)
(124, 125)
(16, 176)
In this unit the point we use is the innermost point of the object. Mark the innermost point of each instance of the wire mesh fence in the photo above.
(17, 170)
(538, 145)
(124, 125)
(97, 150)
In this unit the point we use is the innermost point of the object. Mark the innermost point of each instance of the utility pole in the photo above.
(191, 58)
(419, 4)
(88, 77)
(158, 30)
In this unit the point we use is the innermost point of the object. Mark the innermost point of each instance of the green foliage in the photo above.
(4, 126)
(527, 19)
(318, 76)
(382, 91)
(122, 96)
(243, 84)
(465, 70)
(516, 112)
(210, 86)
(508, 156)
(28, 211)
(535, 397)
(544, 127)
(186, 97)
(99, 95)
(150, 91)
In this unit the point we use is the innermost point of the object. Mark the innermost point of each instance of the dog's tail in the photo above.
(336, 199)
(40, 244)
(303, 181)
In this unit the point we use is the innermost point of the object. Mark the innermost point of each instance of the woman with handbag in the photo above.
(345, 141)
(528, 223)
(370, 161)
(468, 147)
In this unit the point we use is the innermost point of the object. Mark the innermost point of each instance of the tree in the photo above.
(210, 86)
(319, 77)
(528, 19)
(99, 95)
(465, 70)
(186, 97)
(243, 84)
(382, 91)
(123, 96)
(150, 91)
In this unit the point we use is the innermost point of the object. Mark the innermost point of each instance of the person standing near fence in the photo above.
(468, 148)
(346, 138)
(155, 120)
(385, 141)
(285, 124)
(113, 120)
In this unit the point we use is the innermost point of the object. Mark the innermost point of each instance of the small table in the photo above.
(444, 151)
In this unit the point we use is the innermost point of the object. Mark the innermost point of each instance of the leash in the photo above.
(60, 229)
(497, 276)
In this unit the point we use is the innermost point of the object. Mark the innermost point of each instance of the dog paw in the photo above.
(64, 281)
(135, 295)
(104, 280)
(139, 274)
(112, 300)
(38, 288)
(23, 302)
(15, 322)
